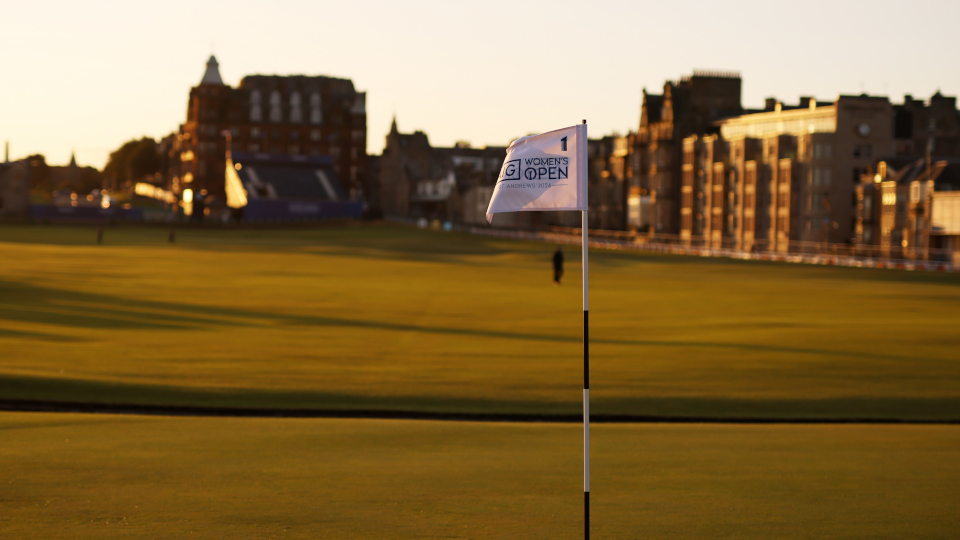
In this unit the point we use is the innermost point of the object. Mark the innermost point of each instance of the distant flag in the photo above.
(543, 172)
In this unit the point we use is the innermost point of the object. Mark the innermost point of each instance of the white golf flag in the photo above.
(543, 172)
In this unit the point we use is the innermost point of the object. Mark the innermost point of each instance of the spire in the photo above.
(393, 125)
(212, 75)
(73, 158)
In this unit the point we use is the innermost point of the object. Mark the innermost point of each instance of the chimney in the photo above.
(805, 102)
(770, 104)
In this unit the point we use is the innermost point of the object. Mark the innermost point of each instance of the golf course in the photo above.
(779, 400)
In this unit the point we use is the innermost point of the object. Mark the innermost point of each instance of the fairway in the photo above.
(383, 317)
(101, 476)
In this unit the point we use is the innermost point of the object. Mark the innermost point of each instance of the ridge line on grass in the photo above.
(16, 405)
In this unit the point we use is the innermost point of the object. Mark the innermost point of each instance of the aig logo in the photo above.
(510, 170)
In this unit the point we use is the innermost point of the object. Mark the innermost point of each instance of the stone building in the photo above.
(608, 174)
(455, 184)
(782, 175)
(905, 208)
(687, 107)
(932, 127)
(292, 115)
(910, 209)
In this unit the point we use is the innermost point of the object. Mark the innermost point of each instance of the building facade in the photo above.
(927, 127)
(293, 115)
(909, 209)
(783, 175)
(418, 180)
(654, 167)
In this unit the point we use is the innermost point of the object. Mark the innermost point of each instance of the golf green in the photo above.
(102, 476)
(386, 317)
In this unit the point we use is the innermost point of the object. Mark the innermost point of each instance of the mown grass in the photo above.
(385, 317)
(101, 476)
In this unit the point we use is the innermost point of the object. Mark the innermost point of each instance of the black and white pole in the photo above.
(586, 377)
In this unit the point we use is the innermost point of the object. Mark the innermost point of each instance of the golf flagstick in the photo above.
(586, 385)
(549, 172)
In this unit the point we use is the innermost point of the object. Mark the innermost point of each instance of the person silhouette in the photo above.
(557, 265)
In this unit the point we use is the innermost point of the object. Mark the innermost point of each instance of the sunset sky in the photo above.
(89, 76)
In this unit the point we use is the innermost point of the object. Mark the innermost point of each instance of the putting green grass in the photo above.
(101, 476)
(382, 317)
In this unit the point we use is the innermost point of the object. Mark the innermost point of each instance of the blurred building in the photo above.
(14, 189)
(785, 174)
(294, 115)
(418, 180)
(910, 209)
(686, 107)
(931, 127)
(607, 175)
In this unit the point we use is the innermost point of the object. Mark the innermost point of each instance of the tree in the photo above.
(133, 161)
(39, 173)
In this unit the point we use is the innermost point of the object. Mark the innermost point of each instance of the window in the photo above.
(821, 151)
(314, 134)
(296, 115)
(867, 150)
(856, 151)
(334, 152)
(256, 115)
(275, 113)
(254, 132)
(316, 115)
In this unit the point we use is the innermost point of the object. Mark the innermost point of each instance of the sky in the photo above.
(87, 76)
